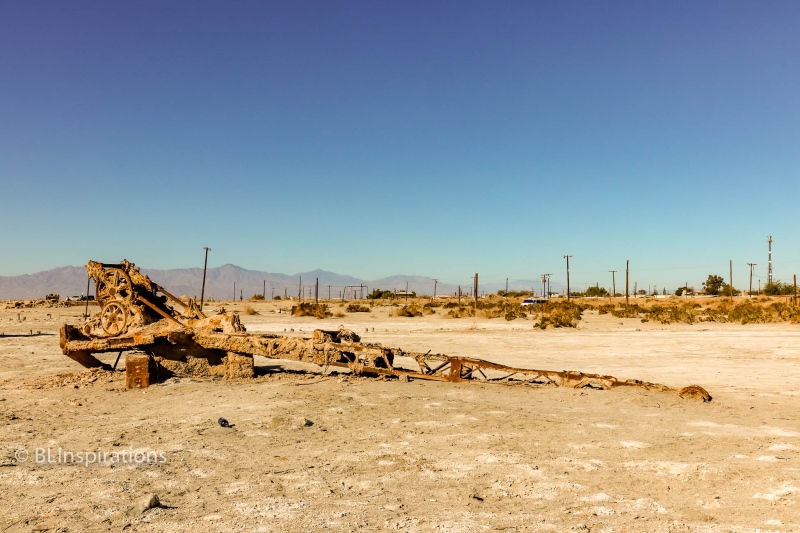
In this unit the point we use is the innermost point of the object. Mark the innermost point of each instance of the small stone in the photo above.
(141, 506)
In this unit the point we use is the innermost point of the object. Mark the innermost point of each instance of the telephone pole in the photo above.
(769, 265)
(329, 292)
(567, 258)
(544, 284)
(435, 282)
(203, 289)
(750, 292)
(613, 283)
(731, 279)
(476, 291)
(627, 264)
(300, 289)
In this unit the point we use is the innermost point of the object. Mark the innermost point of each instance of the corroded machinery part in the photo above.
(135, 315)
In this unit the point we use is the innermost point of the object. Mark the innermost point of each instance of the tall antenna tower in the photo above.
(769, 264)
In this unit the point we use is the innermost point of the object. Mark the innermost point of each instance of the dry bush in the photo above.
(558, 315)
(309, 309)
(408, 310)
(604, 309)
(505, 309)
(626, 311)
(357, 308)
(339, 314)
(249, 310)
(669, 314)
(759, 311)
(460, 312)
(752, 313)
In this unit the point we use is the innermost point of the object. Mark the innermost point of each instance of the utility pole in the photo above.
(476, 290)
(627, 264)
(203, 289)
(459, 295)
(329, 292)
(264, 294)
(300, 289)
(544, 284)
(240, 294)
(285, 293)
(506, 294)
(750, 292)
(769, 267)
(731, 280)
(613, 283)
(435, 282)
(234, 291)
(567, 258)
(316, 292)
(273, 293)
(406, 292)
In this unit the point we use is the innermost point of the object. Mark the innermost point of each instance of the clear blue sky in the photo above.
(375, 138)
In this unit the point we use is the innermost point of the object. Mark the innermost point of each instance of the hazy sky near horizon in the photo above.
(378, 138)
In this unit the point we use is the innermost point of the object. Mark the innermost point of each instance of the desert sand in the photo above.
(313, 450)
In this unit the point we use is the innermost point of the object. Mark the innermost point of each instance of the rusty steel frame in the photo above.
(156, 327)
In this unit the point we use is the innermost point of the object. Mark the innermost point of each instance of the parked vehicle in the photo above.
(533, 301)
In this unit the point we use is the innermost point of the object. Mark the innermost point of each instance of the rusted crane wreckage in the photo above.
(140, 317)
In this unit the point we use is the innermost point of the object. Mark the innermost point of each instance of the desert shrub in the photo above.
(428, 309)
(339, 314)
(408, 310)
(604, 309)
(277, 298)
(256, 297)
(357, 308)
(626, 311)
(451, 305)
(515, 314)
(309, 309)
(668, 314)
(461, 312)
(558, 315)
(249, 310)
(492, 312)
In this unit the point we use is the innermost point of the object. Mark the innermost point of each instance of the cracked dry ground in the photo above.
(318, 452)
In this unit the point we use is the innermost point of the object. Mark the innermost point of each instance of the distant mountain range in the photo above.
(69, 281)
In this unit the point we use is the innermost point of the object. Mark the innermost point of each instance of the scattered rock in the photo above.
(141, 506)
